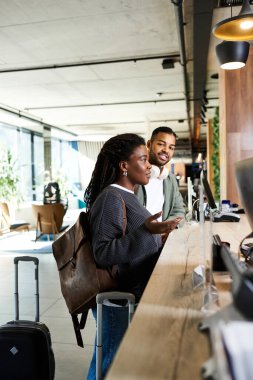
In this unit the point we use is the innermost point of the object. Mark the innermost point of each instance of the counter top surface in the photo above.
(163, 341)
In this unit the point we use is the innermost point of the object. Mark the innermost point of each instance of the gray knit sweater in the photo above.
(135, 253)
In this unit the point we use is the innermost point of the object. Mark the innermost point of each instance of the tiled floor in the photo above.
(72, 362)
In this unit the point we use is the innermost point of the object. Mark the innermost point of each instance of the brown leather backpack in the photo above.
(81, 280)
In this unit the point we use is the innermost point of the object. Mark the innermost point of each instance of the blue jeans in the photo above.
(115, 323)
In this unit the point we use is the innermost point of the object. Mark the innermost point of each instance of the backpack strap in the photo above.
(79, 325)
(124, 221)
(123, 205)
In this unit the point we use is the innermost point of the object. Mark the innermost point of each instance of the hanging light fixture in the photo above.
(232, 54)
(238, 28)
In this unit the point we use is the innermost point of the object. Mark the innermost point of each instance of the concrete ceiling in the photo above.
(94, 67)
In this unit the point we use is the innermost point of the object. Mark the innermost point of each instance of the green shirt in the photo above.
(173, 202)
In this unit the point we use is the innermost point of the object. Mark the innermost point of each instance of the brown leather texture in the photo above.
(80, 279)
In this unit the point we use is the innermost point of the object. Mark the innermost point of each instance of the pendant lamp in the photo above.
(232, 54)
(238, 28)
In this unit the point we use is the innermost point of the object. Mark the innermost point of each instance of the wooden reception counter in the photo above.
(163, 341)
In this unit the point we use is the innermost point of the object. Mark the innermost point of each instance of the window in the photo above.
(27, 149)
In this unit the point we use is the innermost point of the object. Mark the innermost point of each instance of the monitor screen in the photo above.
(208, 191)
(244, 182)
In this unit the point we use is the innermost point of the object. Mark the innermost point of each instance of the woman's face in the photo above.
(138, 167)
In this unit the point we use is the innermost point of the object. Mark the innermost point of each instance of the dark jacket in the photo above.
(135, 253)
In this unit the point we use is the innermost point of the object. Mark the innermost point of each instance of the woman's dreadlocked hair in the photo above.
(106, 171)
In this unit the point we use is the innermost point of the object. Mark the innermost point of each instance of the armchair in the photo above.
(6, 222)
(49, 219)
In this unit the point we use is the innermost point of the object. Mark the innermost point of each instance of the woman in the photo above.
(121, 164)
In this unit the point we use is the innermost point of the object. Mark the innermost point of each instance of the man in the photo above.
(161, 193)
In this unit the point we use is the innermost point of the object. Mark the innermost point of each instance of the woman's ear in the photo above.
(123, 166)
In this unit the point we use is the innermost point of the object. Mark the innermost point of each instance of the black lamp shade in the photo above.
(232, 54)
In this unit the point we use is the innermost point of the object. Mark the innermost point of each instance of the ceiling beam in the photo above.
(21, 114)
(180, 29)
(175, 57)
(202, 22)
(164, 121)
(106, 104)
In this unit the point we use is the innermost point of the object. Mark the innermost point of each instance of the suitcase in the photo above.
(25, 346)
(100, 299)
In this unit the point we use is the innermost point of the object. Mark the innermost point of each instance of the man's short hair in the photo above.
(163, 130)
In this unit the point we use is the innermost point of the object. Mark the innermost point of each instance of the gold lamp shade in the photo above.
(238, 28)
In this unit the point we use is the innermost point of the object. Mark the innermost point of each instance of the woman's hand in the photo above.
(163, 228)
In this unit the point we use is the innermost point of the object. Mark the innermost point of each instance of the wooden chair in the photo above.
(6, 223)
(49, 218)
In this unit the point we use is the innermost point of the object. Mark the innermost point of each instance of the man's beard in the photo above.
(153, 160)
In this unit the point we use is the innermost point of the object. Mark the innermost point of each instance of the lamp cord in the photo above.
(230, 4)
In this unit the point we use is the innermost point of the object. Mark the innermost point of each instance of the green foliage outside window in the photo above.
(215, 158)
(9, 178)
(62, 179)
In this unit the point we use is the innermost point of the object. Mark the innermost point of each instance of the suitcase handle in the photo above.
(16, 293)
(100, 298)
(26, 258)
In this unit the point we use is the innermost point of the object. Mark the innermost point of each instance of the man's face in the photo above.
(161, 149)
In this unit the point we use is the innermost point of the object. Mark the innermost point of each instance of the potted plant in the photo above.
(9, 178)
(215, 158)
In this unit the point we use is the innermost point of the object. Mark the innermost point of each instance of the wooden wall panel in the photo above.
(233, 155)
(236, 123)
(179, 168)
(223, 134)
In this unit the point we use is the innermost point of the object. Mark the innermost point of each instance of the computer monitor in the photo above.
(218, 216)
(244, 182)
(208, 191)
